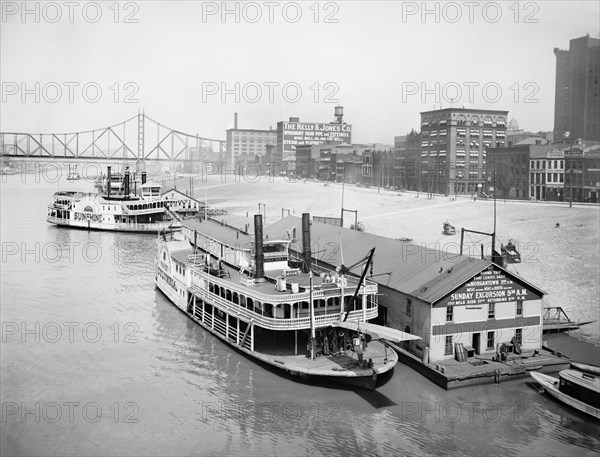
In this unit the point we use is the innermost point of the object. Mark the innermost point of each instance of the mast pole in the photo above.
(342, 307)
(342, 209)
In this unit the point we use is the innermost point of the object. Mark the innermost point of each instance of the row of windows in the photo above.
(179, 268)
(300, 309)
(551, 164)
(556, 178)
(259, 135)
(462, 120)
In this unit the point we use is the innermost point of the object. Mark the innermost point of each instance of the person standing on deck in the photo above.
(335, 344)
(358, 348)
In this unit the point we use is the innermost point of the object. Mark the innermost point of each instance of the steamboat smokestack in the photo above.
(126, 179)
(306, 242)
(108, 179)
(259, 256)
(144, 177)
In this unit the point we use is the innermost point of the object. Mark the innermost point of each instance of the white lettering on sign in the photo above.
(489, 286)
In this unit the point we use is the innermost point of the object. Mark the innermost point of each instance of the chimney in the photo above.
(108, 179)
(235, 119)
(126, 179)
(306, 242)
(144, 177)
(259, 256)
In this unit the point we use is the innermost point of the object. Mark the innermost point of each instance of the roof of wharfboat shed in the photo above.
(189, 197)
(416, 270)
(243, 223)
(221, 233)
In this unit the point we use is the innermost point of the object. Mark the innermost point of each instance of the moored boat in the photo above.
(118, 206)
(592, 369)
(306, 322)
(580, 390)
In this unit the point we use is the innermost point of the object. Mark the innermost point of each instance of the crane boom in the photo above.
(369, 259)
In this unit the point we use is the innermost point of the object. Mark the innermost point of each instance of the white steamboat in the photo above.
(118, 207)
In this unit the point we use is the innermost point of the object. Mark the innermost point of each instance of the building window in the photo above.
(492, 311)
(490, 340)
(408, 306)
(519, 307)
(519, 335)
(448, 350)
(449, 313)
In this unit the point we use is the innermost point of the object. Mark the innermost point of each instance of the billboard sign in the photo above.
(293, 134)
(490, 286)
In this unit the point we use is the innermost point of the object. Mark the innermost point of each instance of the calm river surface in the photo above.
(96, 361)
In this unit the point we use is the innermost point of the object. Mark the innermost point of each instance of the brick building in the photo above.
(453, 148)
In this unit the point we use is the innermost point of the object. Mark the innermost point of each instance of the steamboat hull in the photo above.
(153, 228)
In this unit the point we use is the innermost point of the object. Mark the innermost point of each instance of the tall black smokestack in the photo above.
(259, 256)
(126, 178)
(307, 255)
(144, 177)
(108, 178)
(235, 119)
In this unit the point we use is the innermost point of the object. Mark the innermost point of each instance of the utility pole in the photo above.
(343, 183)
(494, 202)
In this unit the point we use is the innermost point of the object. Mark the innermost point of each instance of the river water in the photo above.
(96, 361)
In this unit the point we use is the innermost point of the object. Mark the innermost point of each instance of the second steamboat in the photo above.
(120, 206)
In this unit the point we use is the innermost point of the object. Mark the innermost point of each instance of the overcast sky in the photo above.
(173, 60)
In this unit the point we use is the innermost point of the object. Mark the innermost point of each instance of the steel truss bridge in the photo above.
(138, 139)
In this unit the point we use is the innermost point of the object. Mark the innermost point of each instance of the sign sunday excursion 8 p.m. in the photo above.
(490, 286)
(295, 133)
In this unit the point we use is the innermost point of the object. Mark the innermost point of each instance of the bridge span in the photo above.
(137, 139)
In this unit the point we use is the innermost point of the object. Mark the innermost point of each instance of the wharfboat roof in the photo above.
(222, 233)
(422, 272)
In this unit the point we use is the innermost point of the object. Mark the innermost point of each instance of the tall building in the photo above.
(407, 161)
(577, 100)
(243, 145)
(453, 148)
